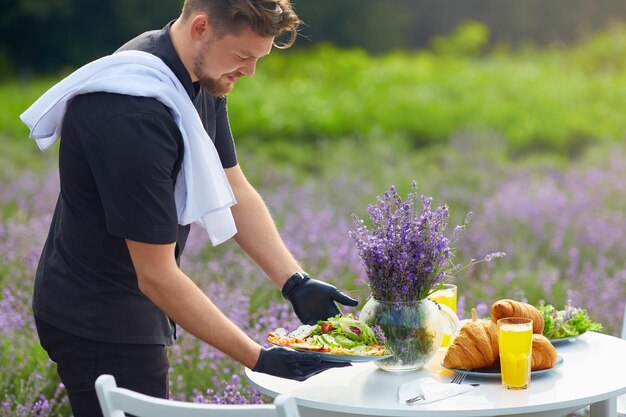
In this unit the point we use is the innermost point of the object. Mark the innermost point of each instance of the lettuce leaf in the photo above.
(347, 327)
(571, 321)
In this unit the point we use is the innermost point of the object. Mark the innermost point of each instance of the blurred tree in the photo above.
(50, 34)
(383, 25)
(468, 39)
(142, 15)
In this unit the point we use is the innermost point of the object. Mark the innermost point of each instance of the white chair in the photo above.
(621, 400)
(114, 401)
(624, 324)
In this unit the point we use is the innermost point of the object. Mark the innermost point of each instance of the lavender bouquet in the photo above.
(407, 256)
(406, 253)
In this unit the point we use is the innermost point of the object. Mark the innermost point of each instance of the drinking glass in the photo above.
(515, 343)
(446, 296)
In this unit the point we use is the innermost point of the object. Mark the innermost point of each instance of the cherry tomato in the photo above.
(284, 341)
(326, 328)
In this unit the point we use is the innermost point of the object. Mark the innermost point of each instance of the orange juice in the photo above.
(446, 296)
(515, 343)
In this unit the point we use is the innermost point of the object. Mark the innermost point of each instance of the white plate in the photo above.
(333, 357)
(563, 340)
(494, 372)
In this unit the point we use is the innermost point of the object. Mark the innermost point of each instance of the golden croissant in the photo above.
(511, 308)
(476, 346)
(544, 354)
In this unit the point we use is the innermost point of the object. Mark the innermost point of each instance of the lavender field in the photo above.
(560, 223)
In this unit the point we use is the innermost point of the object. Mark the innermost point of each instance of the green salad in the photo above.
(342, 331)
(340, 335)
(571, 321)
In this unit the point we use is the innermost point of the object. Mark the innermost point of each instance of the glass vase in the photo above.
(413, 331)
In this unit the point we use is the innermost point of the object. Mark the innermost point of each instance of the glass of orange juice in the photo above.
(515, 343)
(446, 296)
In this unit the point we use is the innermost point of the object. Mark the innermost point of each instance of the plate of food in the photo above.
(567, 325)
(339, 339)
(332, 357)
(475, 349)
(494, 370)
(563, 340)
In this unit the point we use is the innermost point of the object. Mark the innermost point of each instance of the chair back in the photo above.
(116, 401)
(623, 335)
(621, 400)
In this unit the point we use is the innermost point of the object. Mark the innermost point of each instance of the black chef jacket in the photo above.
(119, 158)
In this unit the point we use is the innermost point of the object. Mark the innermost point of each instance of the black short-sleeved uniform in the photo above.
(119, 159)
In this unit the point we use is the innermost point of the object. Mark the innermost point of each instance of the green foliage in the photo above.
(467, 40)
(551, 100)
(33, 378)
(16, 97)
(602, 53)
(538, 100)
(46, 35)
(17, 149)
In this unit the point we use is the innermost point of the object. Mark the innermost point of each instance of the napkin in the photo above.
(431, 389)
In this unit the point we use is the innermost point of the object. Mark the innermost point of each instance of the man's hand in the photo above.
(292, 364)
(314, 300)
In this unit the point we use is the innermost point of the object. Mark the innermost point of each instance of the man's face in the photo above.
(219, 63)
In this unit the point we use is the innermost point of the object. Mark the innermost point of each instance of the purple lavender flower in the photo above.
(380, 335)
(406, 253)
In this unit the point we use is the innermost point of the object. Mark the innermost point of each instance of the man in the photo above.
(108, 287)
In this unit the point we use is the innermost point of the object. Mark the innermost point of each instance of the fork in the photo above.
(458, 378)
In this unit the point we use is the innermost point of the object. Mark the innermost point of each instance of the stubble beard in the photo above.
(213, 85)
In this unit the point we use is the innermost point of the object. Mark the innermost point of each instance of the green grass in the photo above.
(17, 150)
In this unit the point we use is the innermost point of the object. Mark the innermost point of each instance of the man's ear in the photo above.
(200, 27)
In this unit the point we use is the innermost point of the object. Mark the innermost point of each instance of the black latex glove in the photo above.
(314, 300)
(292, 364)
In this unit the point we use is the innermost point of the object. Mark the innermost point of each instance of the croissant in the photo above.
(544, 354)
(476, 346)
(511, 308)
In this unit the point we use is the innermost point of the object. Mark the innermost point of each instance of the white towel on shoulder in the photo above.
(202, 191)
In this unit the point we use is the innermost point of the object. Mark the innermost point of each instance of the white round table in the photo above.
(593, 373)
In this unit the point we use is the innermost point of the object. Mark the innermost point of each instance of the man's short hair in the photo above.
(264, 17)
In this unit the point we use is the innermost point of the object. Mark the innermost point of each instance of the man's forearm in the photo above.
(177, 296)
(312, 300)
(257, 234)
